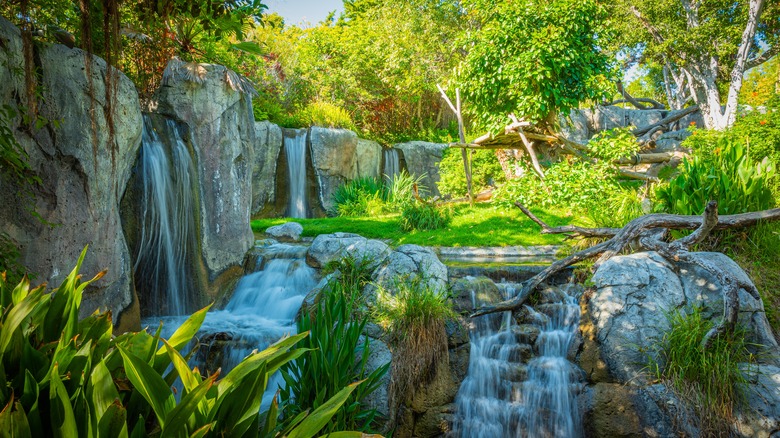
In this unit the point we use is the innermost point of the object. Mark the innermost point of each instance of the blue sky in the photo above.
(299, 11)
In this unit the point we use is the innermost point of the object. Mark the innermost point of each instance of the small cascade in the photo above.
(295, 149)
(392, 166)
(167, 220)
(510, 393)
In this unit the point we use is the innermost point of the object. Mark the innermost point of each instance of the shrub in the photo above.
(727, 176)
(327, 115)
(414, 314)
(424, 216)
(339, 353)
(613, 144)
(359, 197)
(710, 379)
(485, 172)
(68, 377)
(402, 191)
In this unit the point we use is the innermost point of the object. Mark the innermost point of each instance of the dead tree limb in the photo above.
(627, 98)
(462, 135)
(677, 115)
(654, 104)
(650, 230)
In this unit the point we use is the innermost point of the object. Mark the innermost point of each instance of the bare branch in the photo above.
(677, 115)
(768, 54)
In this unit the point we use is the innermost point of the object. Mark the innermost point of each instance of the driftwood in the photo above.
(675, 116)
(650, 231)
(627, 98)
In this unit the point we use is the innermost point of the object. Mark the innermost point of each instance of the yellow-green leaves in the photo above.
(149, 384)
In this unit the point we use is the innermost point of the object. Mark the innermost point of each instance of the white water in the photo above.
(167, 220)
(392, 164)
(295, 149)
(495, 401)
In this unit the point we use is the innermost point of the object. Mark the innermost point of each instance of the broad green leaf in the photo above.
(200, 433)
(189, 379)
(249, 47)
(16, 316)
(240, 406)
(271, 417)
(320, 417)
(180, 338)
(101, 389)
(13, 422)
(176, 421)
(113, 422)
(63, 422)
(149, 384)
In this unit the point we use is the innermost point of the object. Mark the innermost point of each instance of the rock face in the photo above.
(410, 262)
(628, 314)
(422, 160)
(83, 172)
(222, 134)
(268, 143)
(368, 159)
(603, 118)
(334, 157)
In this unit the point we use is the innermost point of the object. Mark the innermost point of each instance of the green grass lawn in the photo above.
(481, 225)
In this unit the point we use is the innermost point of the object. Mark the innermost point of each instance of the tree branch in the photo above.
(677, 115)
(762, 58)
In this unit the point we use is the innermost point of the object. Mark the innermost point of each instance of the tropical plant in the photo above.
(485, 172)
(62, 376)
(403, 190)
(414, 313)
(339, 353)
(727, 176)
(711, 379)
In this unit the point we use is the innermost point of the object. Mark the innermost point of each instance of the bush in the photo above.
(485, 172)
(710, 379)
(726, 175)
(339, 353)
(424, 216)
(359, 197)
(414, 314)
(327, 115)
(402, 191)
(613, 144)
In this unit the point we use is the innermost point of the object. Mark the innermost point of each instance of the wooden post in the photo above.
(462, 135)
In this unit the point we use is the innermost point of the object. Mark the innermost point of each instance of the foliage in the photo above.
(424, 216)
(533, 58)
(359, 197)
(613, 144)
(403, 190)
(761, 85)
(727, 175)
(328, 115)
(485, 172)
(618, 206)
(62, 376)
(414, 313)
(711, 379)
(484, 224)
(339, 353)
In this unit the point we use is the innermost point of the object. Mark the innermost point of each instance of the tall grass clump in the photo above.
(424, 216)
(360, 197)
(709, 379)
(403, 190)
(339, 353)
(414, 314)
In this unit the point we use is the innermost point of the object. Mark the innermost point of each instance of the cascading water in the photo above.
(392, 164)
(507, 395)
(295, 149)
(167, 220)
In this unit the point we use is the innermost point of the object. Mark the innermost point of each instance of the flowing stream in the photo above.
(167, 219)
(509, 392)
(392, 166)
(295, 149)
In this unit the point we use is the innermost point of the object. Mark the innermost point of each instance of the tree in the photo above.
(705, 47)
(533, 58)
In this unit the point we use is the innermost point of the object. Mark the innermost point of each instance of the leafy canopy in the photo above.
(533, 58)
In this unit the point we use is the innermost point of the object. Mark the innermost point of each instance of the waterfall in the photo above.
(392, 164)
(507, 393)
(295, 149)
(167, 220)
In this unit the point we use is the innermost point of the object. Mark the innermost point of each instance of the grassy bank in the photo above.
(481, 225)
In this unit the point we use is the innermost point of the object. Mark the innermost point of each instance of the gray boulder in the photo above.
(575, 126)
(222, 133)
(635, 293)
(333, 155)
(330, 247)
(83, 166)
(409, 262)
(290, 231)
(422, 160)
(609, 117)
(268, 143)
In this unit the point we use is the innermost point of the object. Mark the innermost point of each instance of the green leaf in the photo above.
(320, 417)
(13, 422)
(149, 384)
(63, 422)
(16, 316)
(249, 47)
(113, 422)
(176, 421)
(180, 338)
(271, 417)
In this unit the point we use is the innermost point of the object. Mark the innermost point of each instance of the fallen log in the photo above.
(650, 230)
(677, 115)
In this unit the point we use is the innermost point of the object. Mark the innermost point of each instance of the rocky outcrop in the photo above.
(222, 134)
(334, 157)
(422, 161)
(83, 167)
(289, 231)
(628, 312)
(368, 159)
(268, 143)
(331, 247)
(409, 262)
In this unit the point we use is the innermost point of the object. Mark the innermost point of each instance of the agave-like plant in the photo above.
(61, 376)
